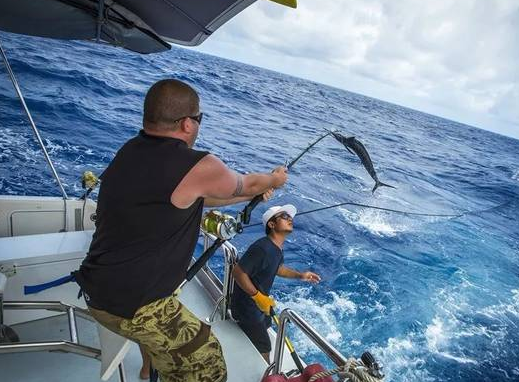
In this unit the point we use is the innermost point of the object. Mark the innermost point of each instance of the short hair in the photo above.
(167, 101)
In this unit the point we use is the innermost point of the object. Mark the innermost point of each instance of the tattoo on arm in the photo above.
(239, 186)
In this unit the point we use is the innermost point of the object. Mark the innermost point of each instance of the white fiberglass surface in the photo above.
(244, 363)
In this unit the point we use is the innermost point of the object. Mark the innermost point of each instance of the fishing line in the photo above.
(379, 208)
(489, 209)
(353, 145)
(454, 216)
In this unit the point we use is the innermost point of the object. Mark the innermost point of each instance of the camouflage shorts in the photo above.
(181, 347)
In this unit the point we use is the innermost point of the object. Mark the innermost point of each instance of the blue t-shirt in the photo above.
(261, 263)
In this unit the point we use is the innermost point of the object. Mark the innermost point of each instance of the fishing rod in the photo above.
(353, 145)
(247, 211)
(225, 227)
(231, 226)
(308, 148)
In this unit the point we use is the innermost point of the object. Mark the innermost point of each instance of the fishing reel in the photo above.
(88, 181)
(223, 226)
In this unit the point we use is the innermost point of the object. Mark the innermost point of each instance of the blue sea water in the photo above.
(434, 299)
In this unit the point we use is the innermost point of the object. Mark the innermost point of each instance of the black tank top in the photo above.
(142, 245)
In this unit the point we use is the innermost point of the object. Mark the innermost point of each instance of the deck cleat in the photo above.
(371, 365)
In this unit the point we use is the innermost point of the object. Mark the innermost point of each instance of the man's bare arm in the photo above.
(213, 202)
(211, 178)
(288, 273)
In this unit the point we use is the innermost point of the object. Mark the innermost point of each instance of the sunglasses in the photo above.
(197, 118)
(284, 216)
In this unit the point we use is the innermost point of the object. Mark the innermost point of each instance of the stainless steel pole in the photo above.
(36, 132)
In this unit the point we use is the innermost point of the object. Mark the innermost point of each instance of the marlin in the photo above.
(358, 148)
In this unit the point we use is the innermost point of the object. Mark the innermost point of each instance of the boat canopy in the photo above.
(140, 26)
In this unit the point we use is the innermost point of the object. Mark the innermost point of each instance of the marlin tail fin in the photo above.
(378, 184)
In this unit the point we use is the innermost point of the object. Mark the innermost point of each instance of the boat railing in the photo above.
(68, 346)
(36, 134)
(225, 285)
(222, 305)
(289, 315)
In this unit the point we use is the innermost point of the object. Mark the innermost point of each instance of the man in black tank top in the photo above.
(148, 220)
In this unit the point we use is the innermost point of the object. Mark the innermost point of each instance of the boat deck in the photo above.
(244, 363)
(33, 259)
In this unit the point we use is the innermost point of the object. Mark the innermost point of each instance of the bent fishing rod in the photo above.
(225, 227)
(353, 145)
(247, 211)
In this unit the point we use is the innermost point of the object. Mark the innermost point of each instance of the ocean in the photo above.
(433, 298)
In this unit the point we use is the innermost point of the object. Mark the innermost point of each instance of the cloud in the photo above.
(456, 59)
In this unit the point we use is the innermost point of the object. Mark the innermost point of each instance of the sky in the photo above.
(455, 59)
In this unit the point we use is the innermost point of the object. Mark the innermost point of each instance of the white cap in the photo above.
(288, 208)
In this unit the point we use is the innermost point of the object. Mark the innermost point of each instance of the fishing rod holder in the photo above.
(220, 290)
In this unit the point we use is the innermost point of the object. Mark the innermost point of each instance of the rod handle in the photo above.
(247, 211)
(209, 252)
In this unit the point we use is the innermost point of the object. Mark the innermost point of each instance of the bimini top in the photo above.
(143, 26)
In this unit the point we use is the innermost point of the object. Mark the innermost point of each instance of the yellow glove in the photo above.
(264, 303)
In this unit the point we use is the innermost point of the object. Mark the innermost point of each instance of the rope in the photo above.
(352, 370)
(358, 375)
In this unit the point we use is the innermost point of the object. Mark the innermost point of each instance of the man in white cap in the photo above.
(254, 275)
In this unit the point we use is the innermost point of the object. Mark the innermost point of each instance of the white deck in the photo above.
(41, 258)
(36, 259)
(244, 363)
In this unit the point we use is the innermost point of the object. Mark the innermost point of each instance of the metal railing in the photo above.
(37, 134)
(289, 315)
(72, 346)
(230, 258)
